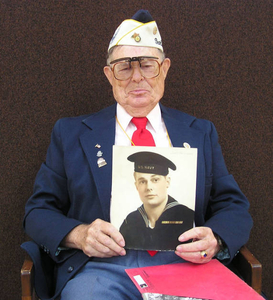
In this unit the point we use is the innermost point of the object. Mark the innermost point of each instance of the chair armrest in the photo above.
(249, 268)
(27, 280)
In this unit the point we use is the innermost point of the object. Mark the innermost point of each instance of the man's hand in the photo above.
(203, 242)
(98, 239)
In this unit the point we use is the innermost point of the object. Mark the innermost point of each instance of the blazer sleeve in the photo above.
(45, 218)
(227, 210)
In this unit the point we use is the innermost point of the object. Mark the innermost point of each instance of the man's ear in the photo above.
(109, 74)
(168, 179)
(166, 66)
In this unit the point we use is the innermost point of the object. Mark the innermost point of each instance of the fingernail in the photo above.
(181, 238)
(178, 249)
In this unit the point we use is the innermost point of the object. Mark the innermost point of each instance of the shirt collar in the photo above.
(123, 117)
(154, 117)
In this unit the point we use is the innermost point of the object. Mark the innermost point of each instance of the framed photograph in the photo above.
(153, 195)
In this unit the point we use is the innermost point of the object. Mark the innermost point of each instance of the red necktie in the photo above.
(143, 137)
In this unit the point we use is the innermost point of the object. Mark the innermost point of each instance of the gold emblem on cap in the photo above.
(136, 37)
(155, 30)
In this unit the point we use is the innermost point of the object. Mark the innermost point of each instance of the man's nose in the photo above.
(149, 186)
(136, 76)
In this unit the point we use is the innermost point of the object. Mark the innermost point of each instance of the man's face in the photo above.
(138, 95)
(152, 188)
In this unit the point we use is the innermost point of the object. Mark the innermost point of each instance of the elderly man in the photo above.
(67, 216)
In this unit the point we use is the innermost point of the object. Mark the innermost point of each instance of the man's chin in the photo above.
(142, 102)
(139, 106)
(151, 200)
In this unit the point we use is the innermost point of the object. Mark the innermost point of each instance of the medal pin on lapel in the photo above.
(101, 162)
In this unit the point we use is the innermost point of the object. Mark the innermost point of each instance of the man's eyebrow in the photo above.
(153, 175)
(120, 59)
(141, 178)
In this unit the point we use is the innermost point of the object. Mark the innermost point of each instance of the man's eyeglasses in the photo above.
(123, 70)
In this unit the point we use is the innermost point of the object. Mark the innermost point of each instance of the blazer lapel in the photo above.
(180, 130)
(97, 143)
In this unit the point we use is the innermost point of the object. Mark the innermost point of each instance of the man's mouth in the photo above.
(151, 196)
(138, 91)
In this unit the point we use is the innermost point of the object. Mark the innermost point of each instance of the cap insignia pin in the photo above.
(136, 37)
(98, 146)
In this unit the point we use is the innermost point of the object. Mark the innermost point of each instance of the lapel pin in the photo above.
(101, 162)
(99, 154)
(186, 145)
(98, 146)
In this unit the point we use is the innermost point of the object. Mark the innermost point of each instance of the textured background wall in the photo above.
(52, 55)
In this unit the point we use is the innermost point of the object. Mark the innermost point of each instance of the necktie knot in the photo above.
(140, 122)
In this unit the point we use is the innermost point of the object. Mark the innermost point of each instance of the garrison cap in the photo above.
(140, 30)
(150, 162)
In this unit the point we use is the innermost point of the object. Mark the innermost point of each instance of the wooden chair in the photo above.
(27, 274)
(244, 265)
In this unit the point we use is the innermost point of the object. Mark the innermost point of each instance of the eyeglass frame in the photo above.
(135, 58)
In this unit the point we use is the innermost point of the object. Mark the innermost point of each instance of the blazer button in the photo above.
(70, 269)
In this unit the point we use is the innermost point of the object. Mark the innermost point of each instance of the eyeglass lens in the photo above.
(149, 68)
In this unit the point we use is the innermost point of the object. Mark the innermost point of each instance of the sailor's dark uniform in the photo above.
(175, 219)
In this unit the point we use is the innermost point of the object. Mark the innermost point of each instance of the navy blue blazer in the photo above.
(70, 189)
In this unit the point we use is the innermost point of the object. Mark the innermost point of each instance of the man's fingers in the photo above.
(115, 235)
(195, 257)
(196, 233)
(98, 249)
(202, 248)
(104, 239)
(107, 234)
(108, 244)
(193, 247)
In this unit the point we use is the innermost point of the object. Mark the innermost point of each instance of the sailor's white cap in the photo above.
(141, 30)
